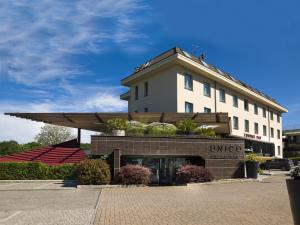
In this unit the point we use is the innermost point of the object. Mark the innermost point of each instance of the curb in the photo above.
(92, 221)
(37, 181)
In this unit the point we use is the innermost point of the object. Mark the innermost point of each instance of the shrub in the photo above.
(157, 128)
(137, 131)
(135, 128)
(92, 171)
(205, 132)
(116, 124)
(193, 174)
(186, 126)
(134, 174)
(35, 171)
(252, 157)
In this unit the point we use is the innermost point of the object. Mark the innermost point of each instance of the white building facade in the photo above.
(176, 81)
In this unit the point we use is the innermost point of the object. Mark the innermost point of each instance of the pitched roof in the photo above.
(177, 50)
(49, 155)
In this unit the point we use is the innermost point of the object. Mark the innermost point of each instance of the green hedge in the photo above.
(36, 171)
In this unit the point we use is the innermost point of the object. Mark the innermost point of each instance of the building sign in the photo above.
(252, 136)
(221, 151)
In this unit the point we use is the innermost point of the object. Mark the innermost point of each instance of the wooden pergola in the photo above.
(96, 121)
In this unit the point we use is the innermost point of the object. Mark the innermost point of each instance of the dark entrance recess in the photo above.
(163, 168)
(262, 148)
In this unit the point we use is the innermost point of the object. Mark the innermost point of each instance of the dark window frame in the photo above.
(190, 82)
(205, 84)
(221, 97)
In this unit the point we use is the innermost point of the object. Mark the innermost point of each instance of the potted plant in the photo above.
(293, 186)
(186, 126)
(252, 165)
(117, 126)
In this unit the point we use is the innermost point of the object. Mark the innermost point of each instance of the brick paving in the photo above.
(223, 204)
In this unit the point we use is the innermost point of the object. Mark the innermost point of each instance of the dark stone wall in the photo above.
(224, 157)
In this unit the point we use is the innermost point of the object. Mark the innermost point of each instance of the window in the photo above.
(207, 110)
(264, 130)
(278, 150)
(246, 105)
(255, 109)
(188, 82)
(272, 115)
(188, 107)
(146, 89)
(278, 134)
(235, 101)
(235, 123)
(145, 109)
(278, 118)
(264, 112)
(256, 128)
(272, 132)
(207, 89)
(136, 93)
(222, 95)
(246, 125)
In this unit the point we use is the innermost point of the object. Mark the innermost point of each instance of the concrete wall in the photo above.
(223, 157)
(161, 93)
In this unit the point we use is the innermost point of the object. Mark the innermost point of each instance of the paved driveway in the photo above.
(226, 204)
(46, 203)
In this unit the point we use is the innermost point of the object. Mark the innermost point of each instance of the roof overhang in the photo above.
(207, 72)
(96, 121)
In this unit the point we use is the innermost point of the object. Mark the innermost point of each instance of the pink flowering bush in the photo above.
(134, 174)
(193, 174)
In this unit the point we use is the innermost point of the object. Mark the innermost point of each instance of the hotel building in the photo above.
(176, 81)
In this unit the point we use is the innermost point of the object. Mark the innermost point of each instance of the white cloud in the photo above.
(39, 36)
(77, 98)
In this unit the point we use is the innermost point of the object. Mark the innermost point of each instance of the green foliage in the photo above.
(11, 147)
(85, 146)
(186, 126)
(35, 171)
(137, 131)
(116, 124)
(165, 129)
(206, 132)
(296, 173)
(92, 171)
(51, 135)
(135, 128)
(252, 157)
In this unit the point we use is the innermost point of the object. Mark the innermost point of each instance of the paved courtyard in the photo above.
(236, 203)
(46, 203)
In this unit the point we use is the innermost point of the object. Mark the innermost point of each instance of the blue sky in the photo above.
(71, 55)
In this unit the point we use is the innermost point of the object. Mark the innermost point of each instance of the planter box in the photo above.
(293, 187)
(252, 169)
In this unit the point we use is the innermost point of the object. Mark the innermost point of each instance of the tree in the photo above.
(51, 135)
(11, 147)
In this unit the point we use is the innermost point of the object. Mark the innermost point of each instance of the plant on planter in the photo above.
(186, 126)
(165, 129)
(117, 126)
(207, 132)
(134, 174)
(136, 128)
(252, 165)
(193, 174)
(293, 186)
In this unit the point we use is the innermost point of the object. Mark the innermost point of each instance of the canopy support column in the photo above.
(79, 136)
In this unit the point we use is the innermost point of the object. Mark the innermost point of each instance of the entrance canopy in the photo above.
(96, 121)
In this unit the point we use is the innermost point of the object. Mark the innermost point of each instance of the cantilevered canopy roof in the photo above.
(96, 121)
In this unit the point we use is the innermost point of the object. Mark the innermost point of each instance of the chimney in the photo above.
(201, 57)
